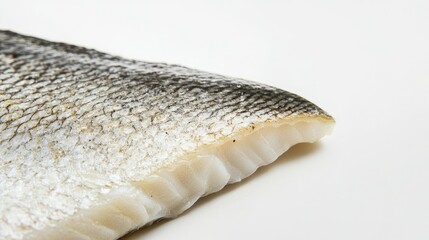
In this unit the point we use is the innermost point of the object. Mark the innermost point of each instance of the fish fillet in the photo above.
(93, 146)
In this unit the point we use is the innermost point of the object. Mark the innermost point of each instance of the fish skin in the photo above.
(76, 123)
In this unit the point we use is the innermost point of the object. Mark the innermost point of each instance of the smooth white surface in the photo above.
(365, 62)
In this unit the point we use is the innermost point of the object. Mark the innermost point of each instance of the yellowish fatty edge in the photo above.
(246, 131)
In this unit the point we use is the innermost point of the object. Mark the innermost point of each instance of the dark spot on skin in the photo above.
(253, 127)
(233, 140)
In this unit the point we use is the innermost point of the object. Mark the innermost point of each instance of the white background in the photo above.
(365, 62)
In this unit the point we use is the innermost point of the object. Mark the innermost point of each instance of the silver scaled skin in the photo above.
(77, 124)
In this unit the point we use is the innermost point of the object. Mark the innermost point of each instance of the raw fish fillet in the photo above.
(93, 146)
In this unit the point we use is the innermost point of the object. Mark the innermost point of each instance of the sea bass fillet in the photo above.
(93, 146)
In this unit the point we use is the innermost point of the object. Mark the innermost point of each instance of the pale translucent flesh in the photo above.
(172, 190)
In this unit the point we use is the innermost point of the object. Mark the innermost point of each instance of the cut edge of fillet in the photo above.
(175, 188)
